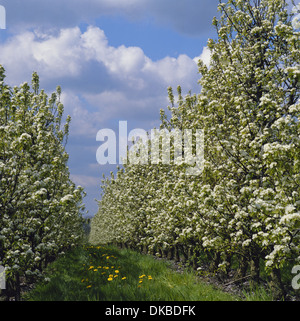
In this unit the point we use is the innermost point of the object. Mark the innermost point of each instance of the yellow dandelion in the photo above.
(99, 267)
(82, 280)
(107, 257)
(112, 267)
(103, 272)
(95, 270)
(141, 276)
(91, 267)
(140, 281)
(116, 276)
(109, 279)
(89, 286)
(116, 271)
(124, 278)
(149, 277)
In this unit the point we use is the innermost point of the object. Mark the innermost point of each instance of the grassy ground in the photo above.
(105, 273)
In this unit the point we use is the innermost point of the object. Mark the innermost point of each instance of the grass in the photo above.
(105, 273)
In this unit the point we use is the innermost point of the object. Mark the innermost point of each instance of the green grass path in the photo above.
(105, 273)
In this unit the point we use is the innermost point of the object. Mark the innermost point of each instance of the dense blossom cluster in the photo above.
(246, 203)
(39, 205)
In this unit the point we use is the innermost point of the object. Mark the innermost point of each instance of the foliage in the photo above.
(40, 207)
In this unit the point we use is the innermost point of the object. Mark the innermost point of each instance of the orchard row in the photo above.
(246, 202)
(40, 207)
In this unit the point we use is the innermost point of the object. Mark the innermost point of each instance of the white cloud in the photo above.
(66, 55)
(99, 82)
(205, 56)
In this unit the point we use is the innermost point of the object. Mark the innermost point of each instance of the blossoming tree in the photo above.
(40, 207)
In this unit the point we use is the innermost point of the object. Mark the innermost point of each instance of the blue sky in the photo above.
(114, 60)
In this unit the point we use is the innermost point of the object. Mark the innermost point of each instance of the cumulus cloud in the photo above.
(99, 82)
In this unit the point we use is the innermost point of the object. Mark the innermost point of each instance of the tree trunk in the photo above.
(17, 288)
(171, 253)
(160, 252)
(254, 268)
(177, 254)
(243, 266)
(215, 262)
(184, 253)
(276, 285)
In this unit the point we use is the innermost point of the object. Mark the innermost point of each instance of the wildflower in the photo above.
(95, 270)
(111, 275)
(107, 257)
(91, 267)
(149, 277)
(116, 276)
(99, 267)
(109, 279)
(82, 280)
(140, 281)
(116, 271)
(89, 286)
(103, 273)
(124, 278)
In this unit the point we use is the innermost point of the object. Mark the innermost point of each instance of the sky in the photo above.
(114, 60)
